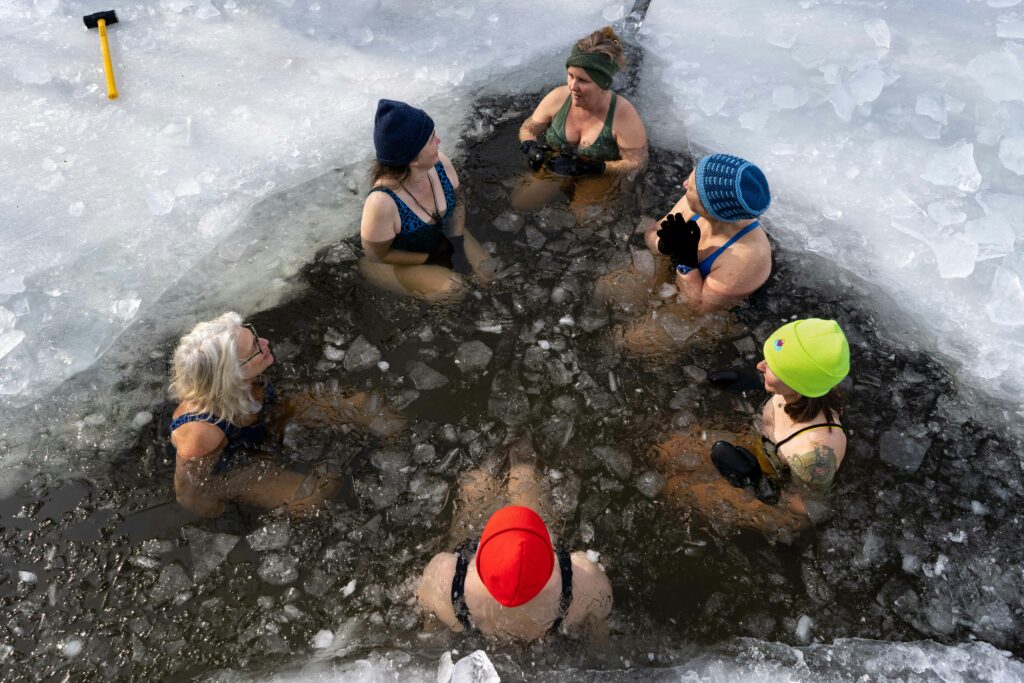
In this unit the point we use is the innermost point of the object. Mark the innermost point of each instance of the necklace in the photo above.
(435, 215)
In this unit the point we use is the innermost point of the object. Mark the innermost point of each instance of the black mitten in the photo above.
(736, 381)
(534, 153)
(678, 239)
(460, 264)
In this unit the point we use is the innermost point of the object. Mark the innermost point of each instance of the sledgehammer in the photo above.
(101, 20)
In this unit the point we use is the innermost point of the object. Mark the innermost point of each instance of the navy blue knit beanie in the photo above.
(732, 189)
(400, 132)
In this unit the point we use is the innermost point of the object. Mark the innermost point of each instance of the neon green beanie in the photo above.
(811, 356)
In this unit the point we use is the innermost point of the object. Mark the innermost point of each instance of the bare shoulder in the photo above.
(551, 103)
(449, 169)
(591, 589)
(742, 268)
(380, 218)
(197, 439)
(627, 126)
(434, 592)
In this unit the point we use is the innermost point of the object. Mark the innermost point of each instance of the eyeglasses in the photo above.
(256, 343)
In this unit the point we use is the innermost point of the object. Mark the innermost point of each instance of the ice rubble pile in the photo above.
(893, 137)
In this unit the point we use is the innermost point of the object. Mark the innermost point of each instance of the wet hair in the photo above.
(603, 42)
(397, 174)
(806, 408)
(205, 371)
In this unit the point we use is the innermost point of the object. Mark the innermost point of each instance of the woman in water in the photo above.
(802, 441)
(583, 140)
(413, 226)
(511, 579)
(222, 416)
(711, 243)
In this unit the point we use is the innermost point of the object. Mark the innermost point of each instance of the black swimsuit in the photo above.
(466, 549)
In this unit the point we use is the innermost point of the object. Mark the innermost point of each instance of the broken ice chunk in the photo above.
(955, 167)
(1011, 153)
(473, 356)
(878, 31)
(425, 378)
(361, 355)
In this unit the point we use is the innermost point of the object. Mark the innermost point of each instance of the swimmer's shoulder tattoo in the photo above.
(816, 466)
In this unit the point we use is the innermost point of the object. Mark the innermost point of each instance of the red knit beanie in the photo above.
(515, 558)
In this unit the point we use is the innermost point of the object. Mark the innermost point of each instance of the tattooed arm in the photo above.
(814, 467)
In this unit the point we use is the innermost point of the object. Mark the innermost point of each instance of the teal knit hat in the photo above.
(598, 66)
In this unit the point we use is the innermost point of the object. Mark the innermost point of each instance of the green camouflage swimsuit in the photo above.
(603, 148)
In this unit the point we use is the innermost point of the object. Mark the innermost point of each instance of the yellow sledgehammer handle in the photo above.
(108, 68)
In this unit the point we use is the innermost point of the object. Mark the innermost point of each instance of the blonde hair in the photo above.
(205, 371)
(603, 42)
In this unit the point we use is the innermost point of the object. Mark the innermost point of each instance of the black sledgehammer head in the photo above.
(93, 20)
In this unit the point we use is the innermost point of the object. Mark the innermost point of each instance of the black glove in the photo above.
(460, 264)
(741, 469)
(569, 164)
(736, 381)
(534, 153)
(679, 239)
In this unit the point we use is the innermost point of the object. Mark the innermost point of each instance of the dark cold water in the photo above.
(105, 577)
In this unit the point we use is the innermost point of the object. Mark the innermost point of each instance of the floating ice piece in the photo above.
(323, 639)
(425, 378)
(473, 356)
(333, 353)
(878, 31)
(593, 556)
(650, 484)
(617, 461)
(26, 577)
(208, 550)
(789, 97)
(903, 450)
(279, 570)
(141, 419)
(270, 537)
(71, 648)
(361, 355)
(1000, 75)
(172, 581)
(803, 628)
(954, 167)
(1011, 153)
(1010, 27)
(349, 588)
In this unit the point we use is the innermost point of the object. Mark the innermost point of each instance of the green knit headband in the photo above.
(599, 67)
